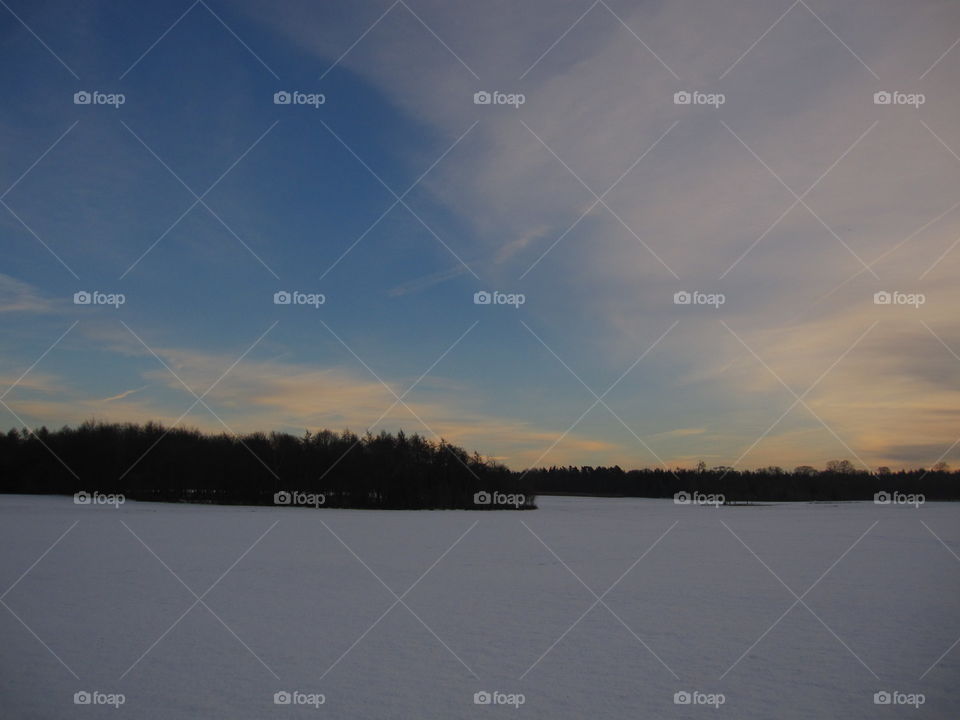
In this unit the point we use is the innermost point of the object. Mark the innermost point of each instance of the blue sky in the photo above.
(796, 200)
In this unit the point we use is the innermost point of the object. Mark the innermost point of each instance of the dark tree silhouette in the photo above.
(150, 462)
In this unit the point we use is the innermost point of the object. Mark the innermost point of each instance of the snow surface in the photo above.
(294, 605)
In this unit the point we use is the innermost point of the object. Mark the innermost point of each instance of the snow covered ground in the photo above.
(787, 611)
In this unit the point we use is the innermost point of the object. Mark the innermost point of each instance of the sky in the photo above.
(587, 194)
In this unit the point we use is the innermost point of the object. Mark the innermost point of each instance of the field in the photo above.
(585, 608)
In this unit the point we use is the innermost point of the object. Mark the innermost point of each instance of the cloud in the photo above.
(427, 281)
(17, 296)
(124, 394)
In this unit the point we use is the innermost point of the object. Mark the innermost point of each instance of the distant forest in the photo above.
(151, 462)
(387, 471)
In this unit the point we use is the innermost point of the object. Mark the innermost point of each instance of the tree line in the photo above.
(387, 471)
(839, 480)
(152, 462)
